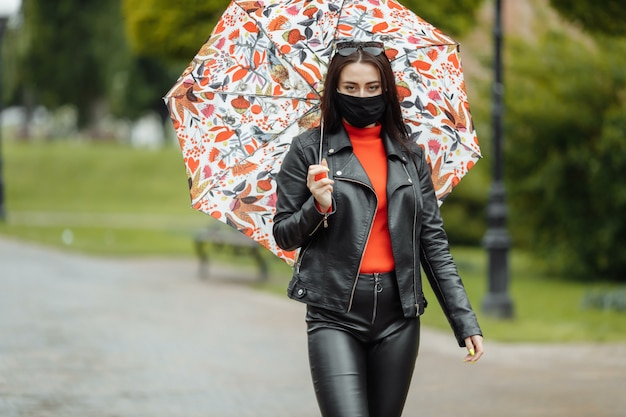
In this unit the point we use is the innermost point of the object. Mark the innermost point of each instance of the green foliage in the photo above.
(453, 17)
(163, 38)
(168, 30)
(61, 60)
(606, 17)
(566, 153)
(463, 211)
(11, 72)
(139, 85)
(75, 52)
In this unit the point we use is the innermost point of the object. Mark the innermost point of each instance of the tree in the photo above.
(454, 17)
(605, 17)
(76, 53)
(163, 38)
(166, 30)
(138, 86)
(566, 133)
(64, 51)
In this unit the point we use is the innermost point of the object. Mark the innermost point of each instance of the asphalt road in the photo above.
(94, 337)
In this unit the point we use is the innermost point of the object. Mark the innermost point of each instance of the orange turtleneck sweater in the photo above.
(370, 151)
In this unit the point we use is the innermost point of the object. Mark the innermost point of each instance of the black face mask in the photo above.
(361, 111)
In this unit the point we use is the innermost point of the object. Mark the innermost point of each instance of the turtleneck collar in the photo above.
(363, 133)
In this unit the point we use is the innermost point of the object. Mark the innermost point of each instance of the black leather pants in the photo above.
(362, 362)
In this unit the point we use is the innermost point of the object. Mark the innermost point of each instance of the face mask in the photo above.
(361, 111)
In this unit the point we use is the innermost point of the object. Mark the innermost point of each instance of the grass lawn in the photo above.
(99, 198)
(110, 200)
(547, 308)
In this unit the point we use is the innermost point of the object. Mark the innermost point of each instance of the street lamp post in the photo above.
(3, 23)
(497, 302)
(7, 8)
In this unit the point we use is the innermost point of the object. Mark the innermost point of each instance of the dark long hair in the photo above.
(392, 121)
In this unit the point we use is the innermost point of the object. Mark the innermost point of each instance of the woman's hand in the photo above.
(474, 345)
(320, 185)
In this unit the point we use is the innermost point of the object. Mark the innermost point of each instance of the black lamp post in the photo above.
(497, 302)
(3, 23)
(7, 8)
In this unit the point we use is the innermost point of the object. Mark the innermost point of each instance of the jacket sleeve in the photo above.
(438, 264)
(297, 218)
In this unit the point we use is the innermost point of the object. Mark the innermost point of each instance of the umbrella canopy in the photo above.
(257, 81)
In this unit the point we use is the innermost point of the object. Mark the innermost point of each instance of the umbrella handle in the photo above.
(321, 141)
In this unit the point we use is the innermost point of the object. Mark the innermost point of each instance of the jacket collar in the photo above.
(343, 163)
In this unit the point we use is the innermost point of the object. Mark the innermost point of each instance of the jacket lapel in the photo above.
(342, 162)
(397, 174)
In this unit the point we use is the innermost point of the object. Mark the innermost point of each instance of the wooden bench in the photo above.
(222, 238)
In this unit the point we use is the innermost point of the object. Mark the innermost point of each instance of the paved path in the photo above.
(89, 337)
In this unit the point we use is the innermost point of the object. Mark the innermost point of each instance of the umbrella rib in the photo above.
(252, 94)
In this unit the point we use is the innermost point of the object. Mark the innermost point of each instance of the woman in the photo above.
(364, 217)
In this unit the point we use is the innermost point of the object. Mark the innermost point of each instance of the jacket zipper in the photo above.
(378, 288)
(324, 222)
(417, 307)
(356, 279)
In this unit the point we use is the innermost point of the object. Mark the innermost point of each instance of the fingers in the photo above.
(320, 185)
(322, 174)
(316, 174)
(474, 346)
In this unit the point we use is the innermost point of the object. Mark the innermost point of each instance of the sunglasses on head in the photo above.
(348, 48)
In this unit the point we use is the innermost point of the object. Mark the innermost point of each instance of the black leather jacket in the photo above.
(332, 244)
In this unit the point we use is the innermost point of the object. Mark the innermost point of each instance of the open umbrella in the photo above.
(256, 83)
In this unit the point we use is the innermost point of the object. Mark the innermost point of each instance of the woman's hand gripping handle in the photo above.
(320, 185)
